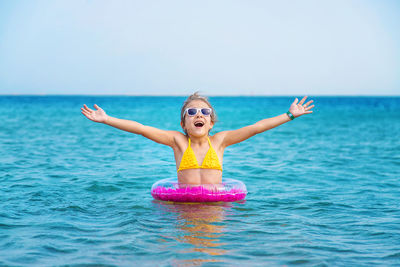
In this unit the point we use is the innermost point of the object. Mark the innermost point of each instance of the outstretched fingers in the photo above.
(308, 108)
(86, 113)
(308, 103)
(303, 100)
(301, 107)
(86, 108)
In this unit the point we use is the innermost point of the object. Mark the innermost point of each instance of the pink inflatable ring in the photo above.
(171, 190)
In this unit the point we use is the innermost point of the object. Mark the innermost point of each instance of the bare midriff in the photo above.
(200, 176)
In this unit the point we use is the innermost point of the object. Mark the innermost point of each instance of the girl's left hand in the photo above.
(298, 109)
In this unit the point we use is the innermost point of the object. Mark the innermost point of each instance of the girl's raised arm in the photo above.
(236, 136)
(154, 134)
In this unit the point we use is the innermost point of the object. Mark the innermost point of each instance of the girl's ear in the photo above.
(182, 126)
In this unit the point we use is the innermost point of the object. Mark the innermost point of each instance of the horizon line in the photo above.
(208, 95)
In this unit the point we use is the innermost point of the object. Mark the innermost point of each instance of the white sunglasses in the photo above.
(193, 111)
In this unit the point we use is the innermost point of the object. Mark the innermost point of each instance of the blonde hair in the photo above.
(191, 98)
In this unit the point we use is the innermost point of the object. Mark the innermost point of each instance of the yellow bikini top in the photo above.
(210, 161)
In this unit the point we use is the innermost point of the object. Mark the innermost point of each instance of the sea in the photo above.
(323, 189)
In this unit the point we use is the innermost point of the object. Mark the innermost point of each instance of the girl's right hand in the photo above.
(97, 115)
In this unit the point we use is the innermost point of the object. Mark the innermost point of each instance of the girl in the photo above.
(198, 155)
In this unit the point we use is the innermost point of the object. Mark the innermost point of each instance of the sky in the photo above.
(223, 47)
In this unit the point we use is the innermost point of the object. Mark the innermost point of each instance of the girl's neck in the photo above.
(198, 140)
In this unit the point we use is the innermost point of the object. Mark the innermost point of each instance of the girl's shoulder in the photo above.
(180, 139)
(217, 139)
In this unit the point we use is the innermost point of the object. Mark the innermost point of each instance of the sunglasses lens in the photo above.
(192, 111)
(206, 111)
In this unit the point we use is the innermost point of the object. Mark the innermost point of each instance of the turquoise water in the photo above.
(323, 189)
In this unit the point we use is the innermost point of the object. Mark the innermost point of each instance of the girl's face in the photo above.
(199, 124)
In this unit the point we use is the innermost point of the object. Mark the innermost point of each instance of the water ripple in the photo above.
(321, 192)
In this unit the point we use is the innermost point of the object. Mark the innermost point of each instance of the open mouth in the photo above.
(199, 124)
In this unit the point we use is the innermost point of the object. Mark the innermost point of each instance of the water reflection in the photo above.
(201, 225)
